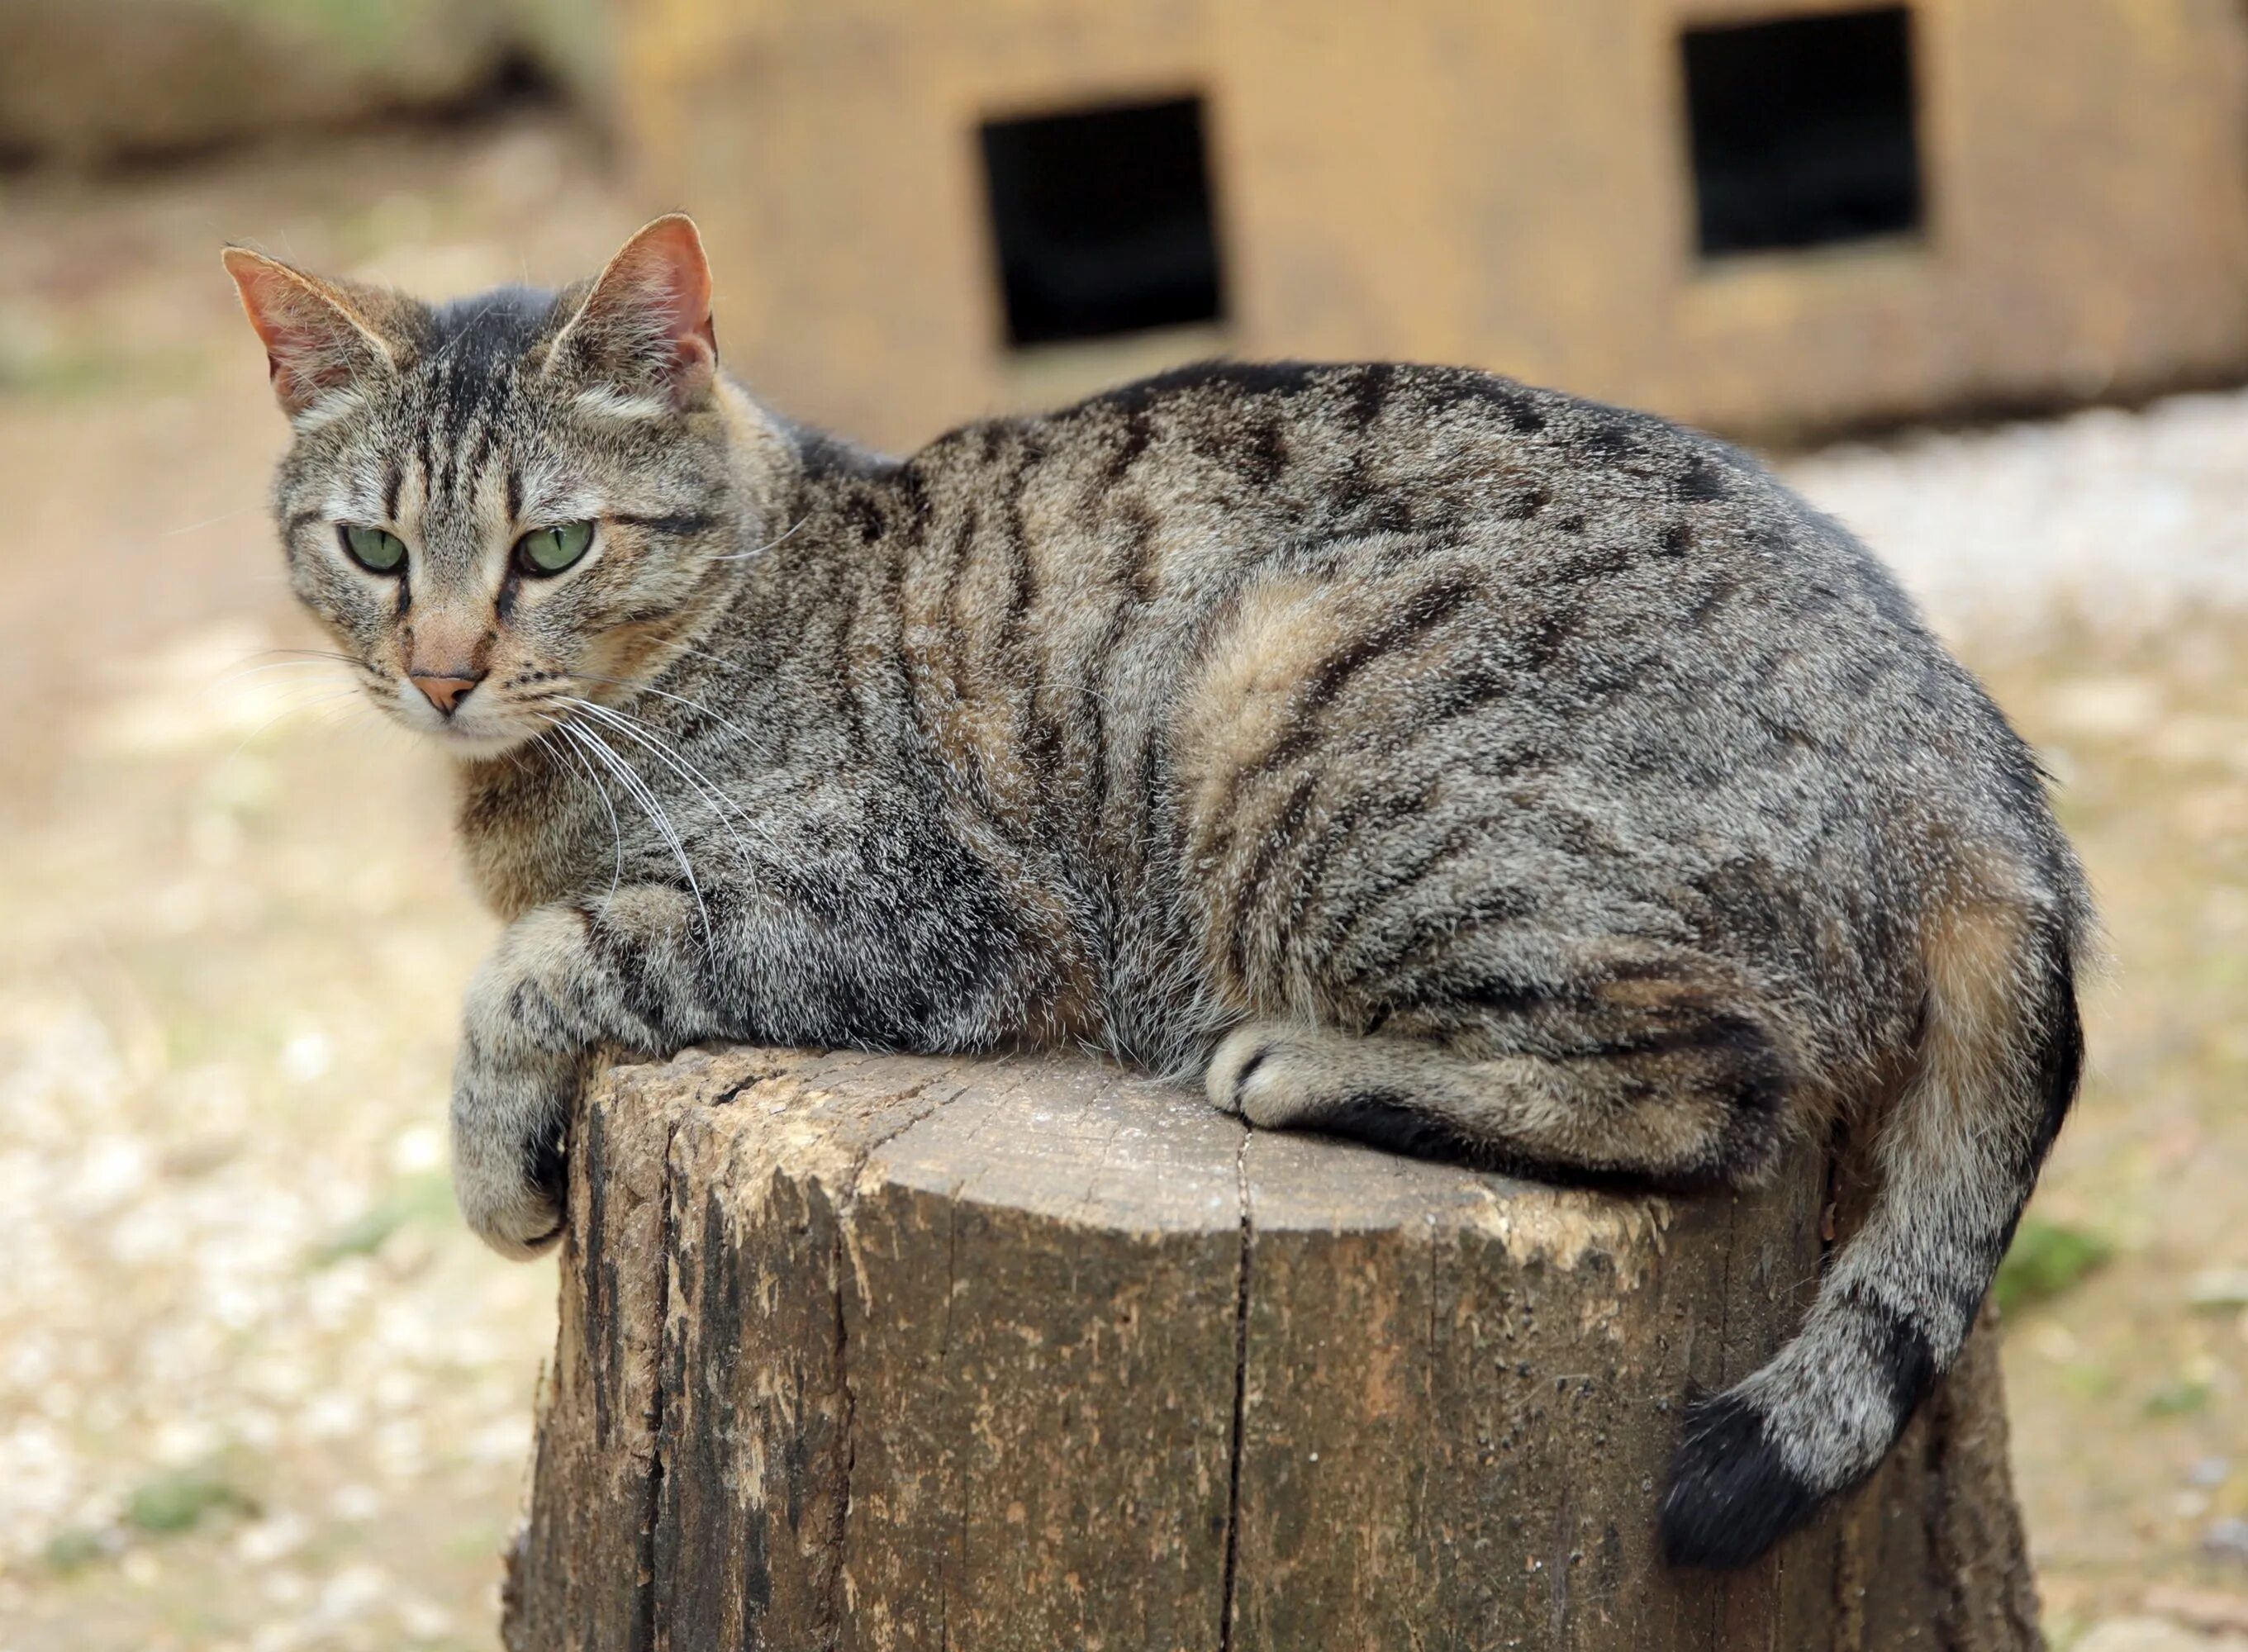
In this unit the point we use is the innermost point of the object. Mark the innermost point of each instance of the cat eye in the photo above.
(552, 550)
(373, 548)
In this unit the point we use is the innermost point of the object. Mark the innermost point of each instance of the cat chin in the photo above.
(467, 746)
(471, 745)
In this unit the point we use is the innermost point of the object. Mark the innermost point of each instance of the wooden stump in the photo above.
(1035, 1355)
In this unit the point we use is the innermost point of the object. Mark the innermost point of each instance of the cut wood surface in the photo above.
(1038, 1355)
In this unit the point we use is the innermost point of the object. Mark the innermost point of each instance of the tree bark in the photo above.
(1035, 1355)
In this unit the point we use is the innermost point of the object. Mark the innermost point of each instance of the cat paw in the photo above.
(1257, 1072)
(519, 1217)
(511, 1174)
(1281, 1077)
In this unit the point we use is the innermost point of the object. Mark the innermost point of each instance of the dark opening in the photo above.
(1102, 218)
(1803, 130)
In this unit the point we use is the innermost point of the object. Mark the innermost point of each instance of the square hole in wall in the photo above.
(1803, 130)
(1102, 221)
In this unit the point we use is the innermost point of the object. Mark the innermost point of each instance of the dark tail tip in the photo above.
(1731, 1496)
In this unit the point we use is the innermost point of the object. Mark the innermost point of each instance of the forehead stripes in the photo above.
(463, 402)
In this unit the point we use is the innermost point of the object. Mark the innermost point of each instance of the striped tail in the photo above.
(2000, 1054)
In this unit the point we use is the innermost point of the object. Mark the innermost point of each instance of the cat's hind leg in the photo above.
(1695, 1096)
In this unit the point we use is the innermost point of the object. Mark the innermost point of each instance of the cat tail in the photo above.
(2000, 1050)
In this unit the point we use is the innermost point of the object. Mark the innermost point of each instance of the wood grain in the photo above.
(1034, 1354)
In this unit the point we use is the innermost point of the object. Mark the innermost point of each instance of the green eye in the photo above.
(374, 550)
(552, 550)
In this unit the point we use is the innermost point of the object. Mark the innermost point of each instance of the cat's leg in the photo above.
(629, 972)
(650, 967)
(1661, 1087)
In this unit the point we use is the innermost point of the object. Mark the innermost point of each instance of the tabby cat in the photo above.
(1412, 755)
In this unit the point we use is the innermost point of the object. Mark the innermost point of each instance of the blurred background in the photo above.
(1974, 271)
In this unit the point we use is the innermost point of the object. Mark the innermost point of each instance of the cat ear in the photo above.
(646, 325)
(315, 342)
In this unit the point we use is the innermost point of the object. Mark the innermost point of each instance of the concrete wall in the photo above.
(1497, 181)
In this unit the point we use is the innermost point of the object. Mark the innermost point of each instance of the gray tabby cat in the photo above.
(1415, 755)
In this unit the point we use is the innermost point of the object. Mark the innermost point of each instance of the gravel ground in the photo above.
(2121, 521)
(258, 1392)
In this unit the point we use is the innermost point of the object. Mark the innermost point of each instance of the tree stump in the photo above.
(1037, 1355)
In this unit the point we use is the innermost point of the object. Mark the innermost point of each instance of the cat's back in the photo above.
(1351, 520)
(1356, 559)
(1317, 634)
(1219, 470)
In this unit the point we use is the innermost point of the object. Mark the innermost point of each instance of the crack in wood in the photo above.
(1240, 1403)
(1090, 1392)
(644, 1603)
(847, 1450)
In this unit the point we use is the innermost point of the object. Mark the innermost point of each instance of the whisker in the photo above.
(649, 734)
(698, 654)
(679, 765)
(638, 790)
(467, 327)
(239, 672)
(593, 779)
(677, 699)
(758, 551)
(649, 687)
(311, 654)
(212, 522)
(289, 711)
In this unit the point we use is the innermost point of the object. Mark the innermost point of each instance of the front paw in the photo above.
(511, 1166)
(1247, 1074)
(516, 1209)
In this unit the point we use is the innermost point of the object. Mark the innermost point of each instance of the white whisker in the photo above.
(310, 654)
(211, 522)
(243, 671)
(288, 711)
(678, 763)
(649, 687)
(638, 790)
(698, 654)
(745, 556)
(466, 328)
(677, 699)
(593, 779)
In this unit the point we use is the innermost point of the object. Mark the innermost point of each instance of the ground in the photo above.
(258, 1390)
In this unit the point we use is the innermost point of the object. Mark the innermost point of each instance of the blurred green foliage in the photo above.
(182, 1500)
(2047, 1260)
(421, 1198)
(75, 1549)
(2180, 1398)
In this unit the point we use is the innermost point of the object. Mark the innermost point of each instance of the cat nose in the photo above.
(446, 693)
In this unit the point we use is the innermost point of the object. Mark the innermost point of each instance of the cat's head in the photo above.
(502, 503)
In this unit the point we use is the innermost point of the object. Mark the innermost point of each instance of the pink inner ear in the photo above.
(311, 344)
(686, 301)
(663, 282)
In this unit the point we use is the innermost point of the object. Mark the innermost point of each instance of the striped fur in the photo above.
(1412, 754)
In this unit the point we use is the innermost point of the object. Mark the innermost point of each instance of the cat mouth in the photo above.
(469, 731)
(468, 743)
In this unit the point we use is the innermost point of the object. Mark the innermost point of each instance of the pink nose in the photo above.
(446, 693)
